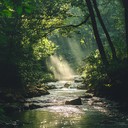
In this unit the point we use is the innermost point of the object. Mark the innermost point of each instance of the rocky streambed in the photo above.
(82, 110)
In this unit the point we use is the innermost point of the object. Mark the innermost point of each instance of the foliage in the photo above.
(26, 31)
(93, 71)
(2, 114)
(1, 111)
(23, 46)
(111, 81)
(29, 71)
(47, 77)
(44, 48)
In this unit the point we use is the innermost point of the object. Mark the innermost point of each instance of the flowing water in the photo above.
(93, 113)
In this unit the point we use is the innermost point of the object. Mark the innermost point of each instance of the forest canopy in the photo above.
(29, 30)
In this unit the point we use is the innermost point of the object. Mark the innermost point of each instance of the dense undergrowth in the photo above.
(110, 81)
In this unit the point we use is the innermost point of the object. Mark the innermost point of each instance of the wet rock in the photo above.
(87, 95)
(11, 107)
(29, 106)
(34, 106)
(96, 99)
(42, 91)
(81, 86)
(11, 124)
(51, 85)
(35, 91)
(74, 102)
(67, 85)
(9, 97)
(26, 106)
(78, 78)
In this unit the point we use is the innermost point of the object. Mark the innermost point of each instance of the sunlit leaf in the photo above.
(6, 13)
(44, 48)
(82, 41)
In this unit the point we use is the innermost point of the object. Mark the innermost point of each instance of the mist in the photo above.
(60, 68)
(69, 56)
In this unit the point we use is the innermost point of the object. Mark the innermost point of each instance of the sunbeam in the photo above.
(60, 68)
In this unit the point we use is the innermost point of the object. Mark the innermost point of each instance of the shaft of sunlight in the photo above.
(60, 68)
(76, 50)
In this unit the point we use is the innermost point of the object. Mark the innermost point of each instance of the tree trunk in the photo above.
(96, 33)
(105, 30)
(125, 4)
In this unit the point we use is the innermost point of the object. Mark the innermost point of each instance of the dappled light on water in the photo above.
(60, 68)
(67, 111)
(51, 119)
(55, 114)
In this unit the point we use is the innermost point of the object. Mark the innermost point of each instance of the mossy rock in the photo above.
(35, 91)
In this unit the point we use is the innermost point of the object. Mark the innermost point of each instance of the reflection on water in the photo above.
(47, 119)
(58, 119)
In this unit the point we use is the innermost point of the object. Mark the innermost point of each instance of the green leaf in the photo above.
(19, 10)
(6, 13)
(82, 41)
(28, 10)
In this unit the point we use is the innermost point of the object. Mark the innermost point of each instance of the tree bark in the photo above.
(96, 33)
(105, 30)
(125, 4)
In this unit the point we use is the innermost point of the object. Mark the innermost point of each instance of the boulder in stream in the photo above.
(51, 85)
(67, 84)
(34, 91)
(74, 102)
(78, 78)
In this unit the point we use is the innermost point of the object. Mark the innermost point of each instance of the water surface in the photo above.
(55, 114)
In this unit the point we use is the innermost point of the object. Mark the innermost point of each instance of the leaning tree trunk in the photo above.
(105, 30)
(96, 33)
(125, 4)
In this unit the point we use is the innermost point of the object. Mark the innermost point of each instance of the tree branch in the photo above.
(51, 29)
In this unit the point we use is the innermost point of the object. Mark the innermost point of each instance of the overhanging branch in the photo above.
(51, 29)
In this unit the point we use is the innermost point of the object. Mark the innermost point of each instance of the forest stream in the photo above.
(93, 113)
